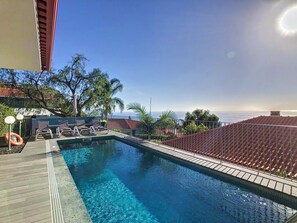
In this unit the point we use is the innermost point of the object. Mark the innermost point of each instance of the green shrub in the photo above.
(282, 173)
(4, 112)
(193, 128)
(202, 128)
(156, 141)
(156, 137)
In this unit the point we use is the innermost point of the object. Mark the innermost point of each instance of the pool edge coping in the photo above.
(75, 199)
(56, 208)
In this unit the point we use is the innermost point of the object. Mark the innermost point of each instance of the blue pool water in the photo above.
(121, 183)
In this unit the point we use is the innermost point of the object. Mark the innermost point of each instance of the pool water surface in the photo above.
(122, 183)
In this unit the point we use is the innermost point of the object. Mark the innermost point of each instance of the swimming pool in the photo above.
(121, 183)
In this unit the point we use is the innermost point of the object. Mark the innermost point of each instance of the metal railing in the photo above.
(179, 130)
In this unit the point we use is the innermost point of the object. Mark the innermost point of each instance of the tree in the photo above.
(8, 77)
(107, 101)
(212, 118)
(55, 91)
(190, 117)
(74, 80)
(147, 123)
(37, 89)
(201, 116)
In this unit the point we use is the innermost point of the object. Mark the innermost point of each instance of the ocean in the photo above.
(225, 116)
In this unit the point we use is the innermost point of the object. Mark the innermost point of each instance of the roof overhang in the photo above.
(27, 33)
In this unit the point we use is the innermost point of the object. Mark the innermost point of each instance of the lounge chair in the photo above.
(43, 129)
(65, 129)
(81, 127)
(98, 127)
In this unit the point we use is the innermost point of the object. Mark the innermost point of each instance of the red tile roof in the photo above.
(121, 124)
(273, 120)
(16, 93)
(11, 92)
(266, 143)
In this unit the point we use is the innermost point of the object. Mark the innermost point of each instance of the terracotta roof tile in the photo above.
(121, 124)
(11, 92)
(273, 120)
(267, 143)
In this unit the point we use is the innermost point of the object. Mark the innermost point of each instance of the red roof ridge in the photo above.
(272, 120)
(128, 123)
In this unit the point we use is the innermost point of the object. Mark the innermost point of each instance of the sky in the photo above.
(221, 55)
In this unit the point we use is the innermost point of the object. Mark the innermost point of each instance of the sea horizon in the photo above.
(224, 116)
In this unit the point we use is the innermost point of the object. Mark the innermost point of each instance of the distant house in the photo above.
(12, 97)
(16, 99)
(123, 125)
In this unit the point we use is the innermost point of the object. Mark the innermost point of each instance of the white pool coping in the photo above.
(56, 208)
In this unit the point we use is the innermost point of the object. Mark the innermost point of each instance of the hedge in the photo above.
(155, 136)
(4, 112)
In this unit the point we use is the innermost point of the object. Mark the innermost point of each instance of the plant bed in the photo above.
(14, 149)
(156, 136)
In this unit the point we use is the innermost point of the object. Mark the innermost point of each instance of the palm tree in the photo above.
(107, 101)
(147, 123)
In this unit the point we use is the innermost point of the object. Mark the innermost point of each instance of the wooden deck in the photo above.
(24, 185)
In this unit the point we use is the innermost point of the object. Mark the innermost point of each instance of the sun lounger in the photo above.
(98, 127)
(82, 128)
(43, 129)
(64, 129)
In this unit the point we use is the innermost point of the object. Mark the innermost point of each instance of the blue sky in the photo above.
(211, 54)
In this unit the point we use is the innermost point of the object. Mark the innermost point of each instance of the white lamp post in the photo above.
(9, 120)
(20, 117)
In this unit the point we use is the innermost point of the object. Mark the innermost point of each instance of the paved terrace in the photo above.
(36, 186)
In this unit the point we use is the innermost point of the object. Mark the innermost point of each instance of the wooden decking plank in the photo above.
(24, 187)
(20, 209)
(17, 191)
